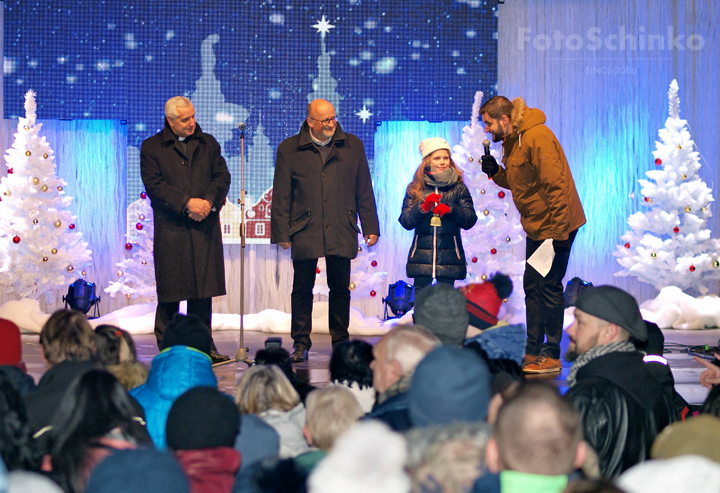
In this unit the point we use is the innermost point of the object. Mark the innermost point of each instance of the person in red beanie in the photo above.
(11, 363)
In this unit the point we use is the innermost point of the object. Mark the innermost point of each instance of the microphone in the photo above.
(242, 127)
(486, 144)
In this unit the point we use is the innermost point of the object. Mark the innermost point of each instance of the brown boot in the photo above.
(543, 364)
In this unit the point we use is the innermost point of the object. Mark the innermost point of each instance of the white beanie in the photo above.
(428, 146)
(685, 473)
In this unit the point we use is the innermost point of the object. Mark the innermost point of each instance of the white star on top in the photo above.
(364, 114)
(323, 26)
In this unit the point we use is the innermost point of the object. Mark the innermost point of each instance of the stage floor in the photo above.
(315, 371)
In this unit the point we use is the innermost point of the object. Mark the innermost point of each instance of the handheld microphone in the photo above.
(486, 144)
(242, 127)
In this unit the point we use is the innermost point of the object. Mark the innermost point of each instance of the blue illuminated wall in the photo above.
(257, 62)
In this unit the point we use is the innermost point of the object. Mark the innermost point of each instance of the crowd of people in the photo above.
(438, 406)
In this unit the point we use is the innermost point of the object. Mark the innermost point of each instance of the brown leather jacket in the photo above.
(537, 173)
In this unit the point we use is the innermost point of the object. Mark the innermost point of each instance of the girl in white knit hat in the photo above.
(437, 206)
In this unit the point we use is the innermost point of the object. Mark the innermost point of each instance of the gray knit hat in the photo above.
(441, 310)
(615, 306)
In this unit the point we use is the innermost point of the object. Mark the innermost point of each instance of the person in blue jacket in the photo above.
(184, 364)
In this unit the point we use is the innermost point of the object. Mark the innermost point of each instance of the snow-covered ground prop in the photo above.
(674, 309)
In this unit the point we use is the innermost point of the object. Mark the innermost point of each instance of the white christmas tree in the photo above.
(366, 276)
(136, 274)
(489, 244)
(40, 248)
(670, 244)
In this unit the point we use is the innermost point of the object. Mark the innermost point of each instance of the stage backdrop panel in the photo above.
(601, 72)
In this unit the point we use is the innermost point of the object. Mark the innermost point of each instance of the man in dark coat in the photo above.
(187, 181)
(322, 184)
(622, 404)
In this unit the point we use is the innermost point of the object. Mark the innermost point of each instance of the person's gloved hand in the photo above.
(430, 202)
(441, 209)
(489, 166)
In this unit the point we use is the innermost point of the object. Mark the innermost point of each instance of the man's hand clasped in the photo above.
(198, 209)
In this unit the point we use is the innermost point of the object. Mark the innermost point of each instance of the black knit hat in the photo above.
(615, 306)
(203, 417)
(188, 330)
(441, 310)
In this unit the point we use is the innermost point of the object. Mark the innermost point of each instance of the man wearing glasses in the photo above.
(322, 184)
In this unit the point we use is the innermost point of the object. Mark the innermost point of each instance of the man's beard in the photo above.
(498, 138)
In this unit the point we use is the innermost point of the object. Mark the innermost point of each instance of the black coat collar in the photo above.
(306, 140)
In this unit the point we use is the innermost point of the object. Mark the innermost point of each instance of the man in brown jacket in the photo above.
(537, 173)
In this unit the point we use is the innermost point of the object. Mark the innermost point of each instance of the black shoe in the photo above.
(217, 357)
(299, 354)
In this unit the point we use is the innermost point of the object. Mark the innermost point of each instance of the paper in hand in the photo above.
(543, 258)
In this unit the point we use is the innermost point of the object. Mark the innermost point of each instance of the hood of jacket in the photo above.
(210, 470)
(502, 342)
(177, 369)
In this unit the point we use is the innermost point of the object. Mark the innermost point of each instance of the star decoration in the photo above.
(364, 114)
(323, 26)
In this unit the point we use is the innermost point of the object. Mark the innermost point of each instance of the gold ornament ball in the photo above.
(45, 259)
(54, 251)
(505, 300)
(7, 193)
(35, 221)
(45, 155)
(144, 262)
(59, 189)
(508, 239)
(482, 191)
(486, 212)
(352, 286)
(684, 176)
(44, 188)
(359, 249)
(36, 180)
(702, 209)
(687, 209)
(653, 255)
(679, 146)
(58, 224)
(28, 153)
(128, 296)
(483, 277)
(716, 264)
(83, 272)
(141, 217)
(470, 159)
(70, 268)
(120, 273)
(649, 200)
(26, 128)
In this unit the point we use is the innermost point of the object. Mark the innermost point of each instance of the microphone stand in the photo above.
(242, 351)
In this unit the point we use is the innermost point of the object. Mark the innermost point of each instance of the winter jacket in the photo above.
(502, 347)
(316, 203)
(623, 408)
(537, 173)
(289, 426)
(188, 254)
(210, 470)
(393, 412)
(22, 382)
(174, 371)
(438, 251)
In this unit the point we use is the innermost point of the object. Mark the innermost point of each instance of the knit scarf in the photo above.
(402, 385)
(594, 353)
(443, 179)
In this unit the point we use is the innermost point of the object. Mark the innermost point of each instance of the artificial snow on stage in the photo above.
(140, 319)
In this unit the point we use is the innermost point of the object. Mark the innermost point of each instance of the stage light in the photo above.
(400, 298)
(81, 297)
(575, 287)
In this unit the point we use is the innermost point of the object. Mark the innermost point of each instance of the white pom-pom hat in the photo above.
(428, 146)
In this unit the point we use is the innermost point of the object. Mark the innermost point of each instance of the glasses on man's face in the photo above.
(327, 121)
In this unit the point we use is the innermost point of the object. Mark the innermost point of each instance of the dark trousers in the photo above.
(167, 309)
(338, 279)
(421, 283)
(544, 302)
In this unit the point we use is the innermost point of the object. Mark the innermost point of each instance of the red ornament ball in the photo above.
(692, 268)
(658, 162)
(627, 245)
(317, 270)
(474, 260)
(646, 199)
(501, 195)
(71, 226)
(128, 246)
(676, 229)
(374, 263)
(16, 239)
(143, 195)
(493, 251)
(139, 226)
(10, 171)
(373, 293)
